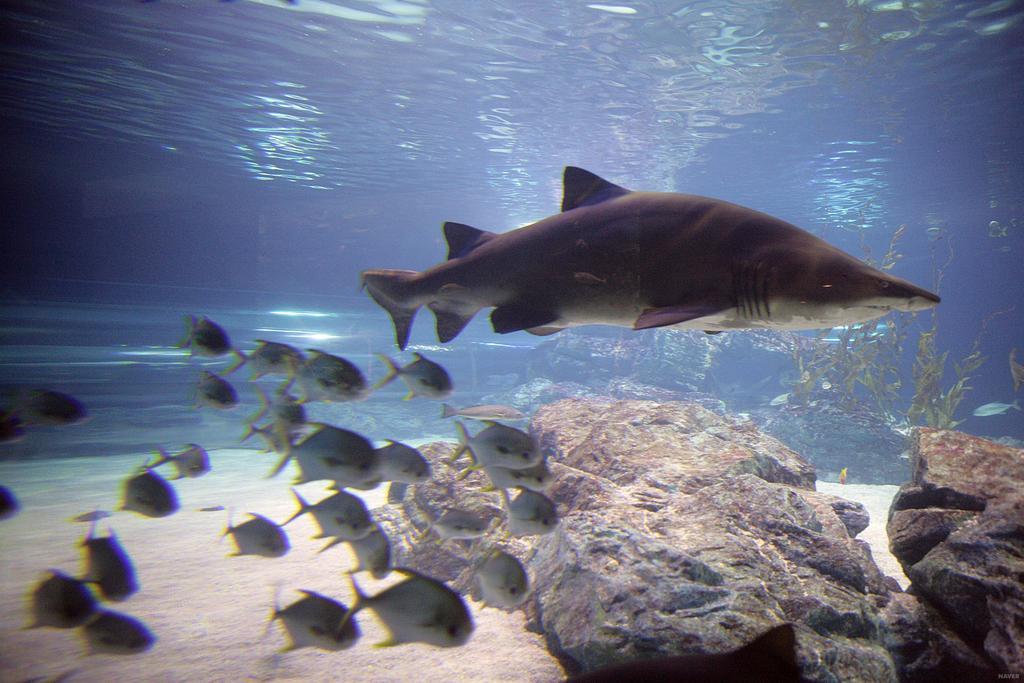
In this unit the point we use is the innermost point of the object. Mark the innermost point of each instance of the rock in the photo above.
(925, 648)
(958, 530)
(853, 515)
(686, 532)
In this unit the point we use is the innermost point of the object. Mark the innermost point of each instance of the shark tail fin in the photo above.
(393, 291)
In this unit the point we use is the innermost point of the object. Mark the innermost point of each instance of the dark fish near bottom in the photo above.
(8, 503)
(770, 658)
(62, 602)
(113, 633)
(109, 567)
(149, 494)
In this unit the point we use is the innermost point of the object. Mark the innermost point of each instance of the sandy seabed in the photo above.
(210, 611)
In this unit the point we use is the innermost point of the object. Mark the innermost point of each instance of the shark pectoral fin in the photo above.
(672, 315)
(544, 330)
(515, 317)
(449, 323)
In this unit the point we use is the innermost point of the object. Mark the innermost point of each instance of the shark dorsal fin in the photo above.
(463, 239)
(583, 188)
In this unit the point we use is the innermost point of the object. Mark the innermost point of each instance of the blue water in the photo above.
(240, 158)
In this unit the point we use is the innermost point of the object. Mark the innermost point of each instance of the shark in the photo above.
(643, 260)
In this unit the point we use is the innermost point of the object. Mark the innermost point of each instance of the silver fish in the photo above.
(483, 412)
(113, 633)
(530, 513)
(324, 377)
(995, 408)
(536, 478)
(274, 437)
(502, 580)
(651, 259)
(419, 609)
(274, 358)
(284, 410)
(314, 620)
(373, 553)
(62, 602)
(203, 337)
(108, 566)
(258, 536)
(192, 462)
(458, 524)
(498, 445)
(342, 515)
(335, 454)
(403, 464)
(423, 377)
(149, 494)
(215, 392)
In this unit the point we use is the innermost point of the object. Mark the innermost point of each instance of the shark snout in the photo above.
(912, 298)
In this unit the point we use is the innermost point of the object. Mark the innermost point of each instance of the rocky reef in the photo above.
(958, 530)
(734, 373)
(685, 531)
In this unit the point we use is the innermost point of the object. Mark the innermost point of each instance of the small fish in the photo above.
(589, 279)
(258, 536)
(11, 429)
(536, 478)
(373, 553)
(192, 462)
(334, 454)
(274, 358)
(94, 516)
(995, 408)
(842, 476)
(50, 408)
(8, 503)
(483, 412)
(423, 377)
(341, 515)
(324, 377)
(1016, 370)
(212, 508)
(503, 581)
(772, 657)
(403, 464)
(498, 445)
(314, 620)
(781, 399)
(203, 337)
(458, 524)
(108, 566)
(215, 392)
(274, 438)
(530, 513)
(149, 494)
(419, 609)
(113, 633)
(285, 411)
(62, 602)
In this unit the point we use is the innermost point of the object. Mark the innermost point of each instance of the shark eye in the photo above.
(883, 284)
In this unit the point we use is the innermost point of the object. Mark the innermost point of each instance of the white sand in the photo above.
(876, 498)
(209, 611)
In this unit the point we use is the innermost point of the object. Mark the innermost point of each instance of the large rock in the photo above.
(681, 532)
(958, 530)
(684, 532)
